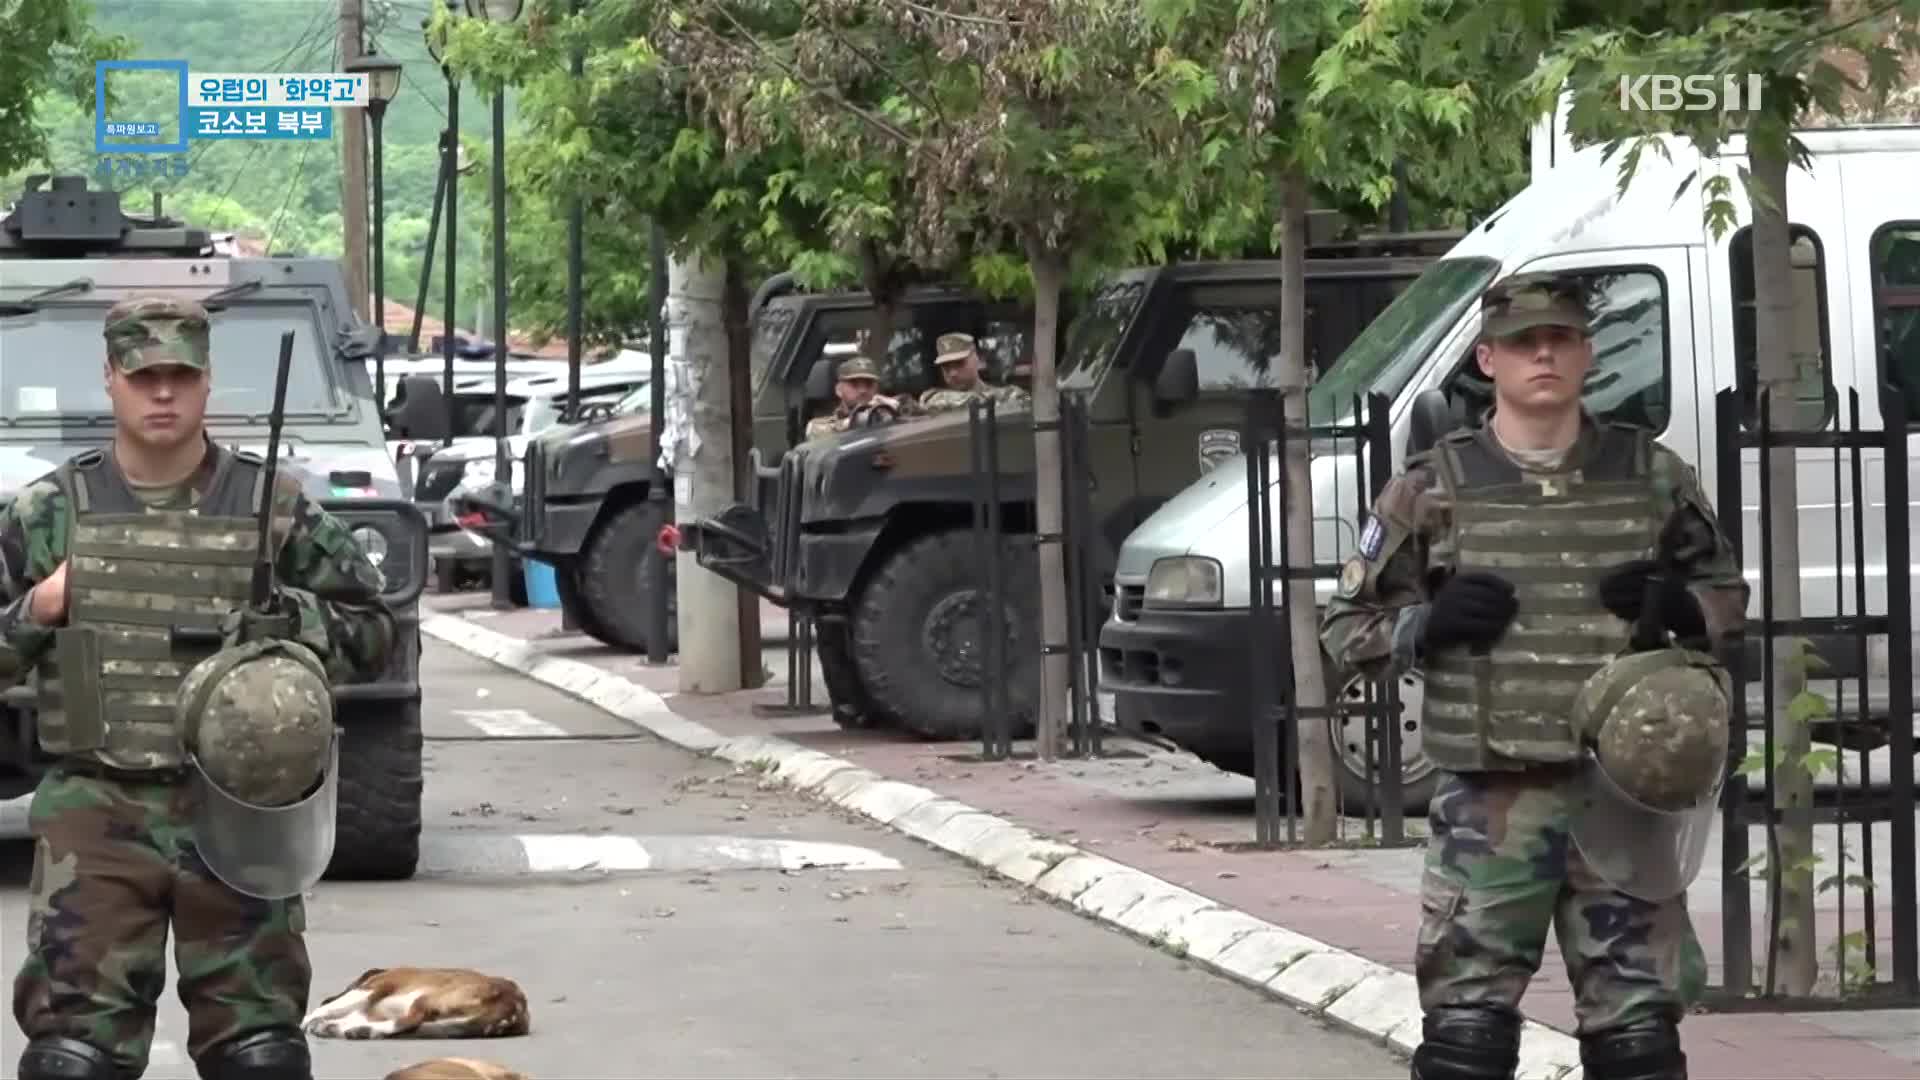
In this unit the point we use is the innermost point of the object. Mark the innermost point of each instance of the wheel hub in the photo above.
(1349, 732)
(952, 635)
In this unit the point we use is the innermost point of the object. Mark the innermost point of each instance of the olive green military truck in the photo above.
(67, 254)
(869, 532)
(584, 505)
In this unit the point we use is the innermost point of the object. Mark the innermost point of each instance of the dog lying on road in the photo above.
(422, 1003)
(455, 1069)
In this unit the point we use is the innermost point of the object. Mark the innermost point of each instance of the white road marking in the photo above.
(166, 1052)
(575, 853)
(510, 724)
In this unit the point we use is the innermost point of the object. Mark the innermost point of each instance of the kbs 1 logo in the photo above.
(1690, 93)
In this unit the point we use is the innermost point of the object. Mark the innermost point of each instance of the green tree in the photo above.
(51, 49)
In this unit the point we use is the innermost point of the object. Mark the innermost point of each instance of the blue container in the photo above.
(543, 590)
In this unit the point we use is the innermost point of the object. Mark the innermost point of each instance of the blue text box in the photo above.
(100, 133)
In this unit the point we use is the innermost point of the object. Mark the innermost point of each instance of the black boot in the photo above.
(274, 1054)
(55, 1057)
(1462, 1042)
(1641, 1053)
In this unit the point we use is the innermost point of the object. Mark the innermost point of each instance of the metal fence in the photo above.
(1372, 761)
(1865, 890)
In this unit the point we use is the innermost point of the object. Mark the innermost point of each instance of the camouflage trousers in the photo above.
(113, 865)
(1501, 870)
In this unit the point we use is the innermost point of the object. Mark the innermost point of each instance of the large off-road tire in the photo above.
(919, 644)
(566, 580)
(378, 820)
(616, 577)
(833, 643)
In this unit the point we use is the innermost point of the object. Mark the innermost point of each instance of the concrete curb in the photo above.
(1342, 987)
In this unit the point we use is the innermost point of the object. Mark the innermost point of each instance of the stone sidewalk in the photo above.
(1186, 823)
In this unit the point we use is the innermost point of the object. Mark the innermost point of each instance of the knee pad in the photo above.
(1462, 1042)
(59, 1058)
(1639, 1053)
(278, 1054)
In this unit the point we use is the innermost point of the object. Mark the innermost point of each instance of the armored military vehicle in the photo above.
(869, 532)
(67, 254)
(585, 510)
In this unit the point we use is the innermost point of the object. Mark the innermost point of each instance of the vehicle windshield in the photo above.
(53, 360)
(769, 326)
(1390, 350)
(1094, 334)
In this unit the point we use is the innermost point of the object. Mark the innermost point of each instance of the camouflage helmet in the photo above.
(258, 720)
(1657, 722)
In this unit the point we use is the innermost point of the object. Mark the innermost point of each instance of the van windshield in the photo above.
(1388, 352)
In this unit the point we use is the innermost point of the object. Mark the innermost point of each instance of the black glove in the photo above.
(1624, 592)
(1472, 608)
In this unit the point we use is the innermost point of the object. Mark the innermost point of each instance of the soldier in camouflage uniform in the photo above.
(858, 385)
(959, 362)
(1508, 563)
(91, 556)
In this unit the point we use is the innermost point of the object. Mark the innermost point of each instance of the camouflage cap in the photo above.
(143, 331)
(953, 347)
(1525, 301)
(858, 367)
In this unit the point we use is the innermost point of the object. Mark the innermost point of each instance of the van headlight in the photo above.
(1183, 581)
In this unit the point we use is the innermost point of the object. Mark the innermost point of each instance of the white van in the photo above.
(1675, 326)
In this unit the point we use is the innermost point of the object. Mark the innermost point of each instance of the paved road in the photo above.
(694, 953)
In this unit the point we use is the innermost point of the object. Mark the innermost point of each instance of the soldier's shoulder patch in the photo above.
(1372, 538)
(1353, 574)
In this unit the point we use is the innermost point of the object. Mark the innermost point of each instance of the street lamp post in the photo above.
(501, 12)
(451, 149)
(383, 82)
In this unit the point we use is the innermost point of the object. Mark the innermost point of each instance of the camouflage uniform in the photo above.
(1499, 866)
(952, 349)
(114, 860)
(858, 367)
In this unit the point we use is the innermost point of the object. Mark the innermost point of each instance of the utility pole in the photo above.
(704, 478)
(353, 161)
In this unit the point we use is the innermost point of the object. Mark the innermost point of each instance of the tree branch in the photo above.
(877, 122)
(954, 16)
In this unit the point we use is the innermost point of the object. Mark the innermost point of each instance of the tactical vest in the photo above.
(107, 689)
(1554, 535)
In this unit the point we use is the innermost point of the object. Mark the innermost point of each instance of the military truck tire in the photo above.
(566, 580)
(615, 576)
(378, 821)
(848, 702)
(929, 592)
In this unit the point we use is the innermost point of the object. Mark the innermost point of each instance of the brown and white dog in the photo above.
(455, 1069)
(422, 1003)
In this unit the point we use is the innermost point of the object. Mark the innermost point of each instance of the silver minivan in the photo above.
(1674, 326)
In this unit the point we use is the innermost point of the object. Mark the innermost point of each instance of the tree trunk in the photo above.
(1798, 958)
(703, 472)
(1049, 267)
(876, 272)
(753, 669)
(1318, 808)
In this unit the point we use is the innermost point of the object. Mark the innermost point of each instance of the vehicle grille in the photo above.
(533, 498)
(783, 519)
(438, 479)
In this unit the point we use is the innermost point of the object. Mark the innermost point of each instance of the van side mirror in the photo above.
(422, 412)
(1178, 380)
(1432, 417)
(820, 380)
